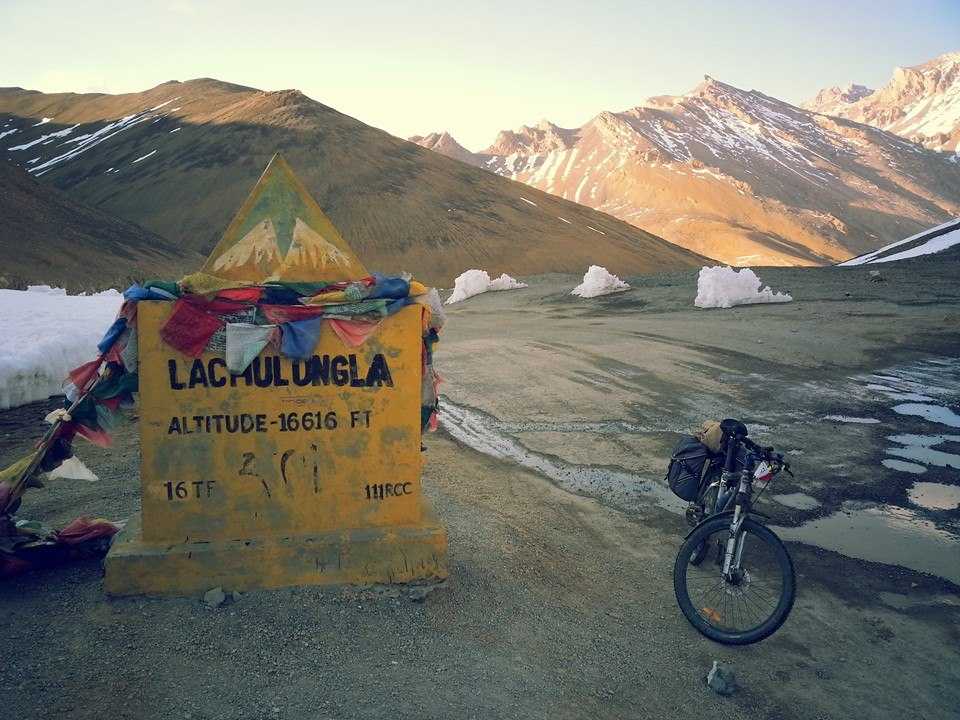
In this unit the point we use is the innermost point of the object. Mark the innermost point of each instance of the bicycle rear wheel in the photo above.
(740, 610)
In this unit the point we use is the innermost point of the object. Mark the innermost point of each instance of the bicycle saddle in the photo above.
(733, 427)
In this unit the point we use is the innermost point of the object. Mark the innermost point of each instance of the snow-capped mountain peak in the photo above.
(829, 99)
(738, 175)
(921, 103)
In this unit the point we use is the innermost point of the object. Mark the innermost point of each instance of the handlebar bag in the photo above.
(687, 466)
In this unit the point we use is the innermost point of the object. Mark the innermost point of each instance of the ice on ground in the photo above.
(799, 501)
(474, 282)
(724, 287)
(599, 281)
(848, 419)
(72, 469)
(933, 413)
(903, 466)
(46, 290)
(48, 333)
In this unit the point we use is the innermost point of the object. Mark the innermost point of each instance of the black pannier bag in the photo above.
(687, 466)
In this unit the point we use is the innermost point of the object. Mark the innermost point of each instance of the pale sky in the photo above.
(470, 68)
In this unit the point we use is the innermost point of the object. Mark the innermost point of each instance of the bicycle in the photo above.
(746, 594)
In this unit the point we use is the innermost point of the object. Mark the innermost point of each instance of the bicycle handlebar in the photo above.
(766, 453)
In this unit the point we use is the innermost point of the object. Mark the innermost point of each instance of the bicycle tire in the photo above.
(787, 596)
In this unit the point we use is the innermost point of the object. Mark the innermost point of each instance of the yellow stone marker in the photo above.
(296, 472)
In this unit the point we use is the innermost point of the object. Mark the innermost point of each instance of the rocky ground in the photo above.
(559, 601)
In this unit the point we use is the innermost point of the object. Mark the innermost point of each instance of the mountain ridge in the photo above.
(180, 158)
(738, 175)
(48, 237)
(920, 102)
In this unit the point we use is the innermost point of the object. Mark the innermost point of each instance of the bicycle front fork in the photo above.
(734, 550)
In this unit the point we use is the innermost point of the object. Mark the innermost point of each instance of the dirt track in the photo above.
(558, 604)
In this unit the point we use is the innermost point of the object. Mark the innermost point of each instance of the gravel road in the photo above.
(559, 603)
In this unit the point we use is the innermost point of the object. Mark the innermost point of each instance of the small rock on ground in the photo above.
(214, 598)
(721, 679)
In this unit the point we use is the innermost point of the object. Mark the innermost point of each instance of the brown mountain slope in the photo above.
(46, 237)
(739, 176)
(180, 158)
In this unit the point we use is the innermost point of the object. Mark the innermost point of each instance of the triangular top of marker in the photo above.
(280, 233)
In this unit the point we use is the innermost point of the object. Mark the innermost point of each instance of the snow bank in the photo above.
(46, 333)
(723, 287)
(72, 469)
(474, 282)
(599, 281)
(944, 237)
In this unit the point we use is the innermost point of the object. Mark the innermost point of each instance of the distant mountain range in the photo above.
(48, 237)
(180, 158)
(744, 177)
(921, 103)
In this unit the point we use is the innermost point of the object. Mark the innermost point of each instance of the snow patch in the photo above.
(724, 287)
(564, 220)
(46, 334)
(599, 281)
(44, 121)
(45, 139)
(937, 244)
(529, 202)
(853, 420)
(73, 469)
(474, 282)
(46, 290)
(143, 157)
(933, 413)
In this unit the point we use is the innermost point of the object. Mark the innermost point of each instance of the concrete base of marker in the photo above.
(345, 557)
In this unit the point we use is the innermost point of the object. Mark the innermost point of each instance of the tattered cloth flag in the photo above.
(244, 343)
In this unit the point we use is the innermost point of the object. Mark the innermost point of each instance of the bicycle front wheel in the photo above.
(742, 609)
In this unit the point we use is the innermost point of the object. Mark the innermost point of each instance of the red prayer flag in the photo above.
(189, 328)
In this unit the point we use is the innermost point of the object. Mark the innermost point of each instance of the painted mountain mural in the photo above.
(280, 233)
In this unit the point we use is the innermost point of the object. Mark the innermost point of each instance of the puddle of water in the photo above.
(617, 486)
(799, 501)
(847, 419)
(897, 395)
(933, 413)
(935, 496)
(885, 534)
(903, 466)
(920, 448)
(608, 427)
(879, 533)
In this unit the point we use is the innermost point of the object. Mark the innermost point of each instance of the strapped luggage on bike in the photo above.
(688, 465)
